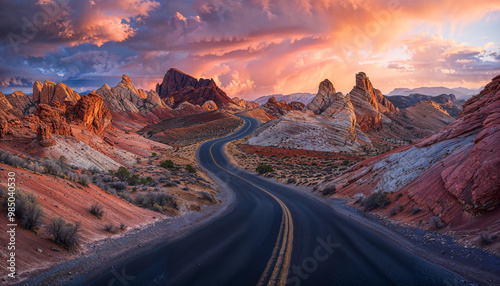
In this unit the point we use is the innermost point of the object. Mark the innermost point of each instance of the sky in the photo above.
(250, 48)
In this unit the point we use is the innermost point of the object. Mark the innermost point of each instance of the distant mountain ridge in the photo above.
(446, 101)
(459, 92)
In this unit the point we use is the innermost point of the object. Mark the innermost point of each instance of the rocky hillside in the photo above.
(178, 87)
(305, 98)
(446, 101)
(277, 109)
(245, 104)
(328, 124)
(126, 97)
(452, 174)
(369, 104)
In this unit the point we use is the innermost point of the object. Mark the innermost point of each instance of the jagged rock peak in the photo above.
(50, 91)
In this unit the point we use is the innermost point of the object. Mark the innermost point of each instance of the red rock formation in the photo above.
(44, 136)
(365, 104)
(453, 173)
(90, 112)
(53, 119)
(245, 104)
(178, 87)
(21, 102)
(277, 109)
(51, 91)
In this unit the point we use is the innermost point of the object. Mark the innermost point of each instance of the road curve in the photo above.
(274, 235)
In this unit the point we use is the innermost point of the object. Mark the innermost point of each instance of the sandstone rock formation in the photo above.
(209, 105)
(277, 109)
(328, 124)
(52, 119)
(178, 87)
(365, 104)
(453, 173)
(245, 104)
(44, 136)
(90, 112)
(21, 102)
(126, 97)
(51, 91)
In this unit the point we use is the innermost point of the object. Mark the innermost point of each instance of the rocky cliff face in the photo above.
(90, 112)
(453, 173)
(446, 101)
(364, 100)
(327, 124)
(245, 104)
(21, 102)
(51, 91)
(335, 105)
(178, 87)
(277, 109)
(126, 97)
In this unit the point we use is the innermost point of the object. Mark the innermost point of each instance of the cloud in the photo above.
(251, 47)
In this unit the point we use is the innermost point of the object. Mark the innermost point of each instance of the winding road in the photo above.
(275, 235)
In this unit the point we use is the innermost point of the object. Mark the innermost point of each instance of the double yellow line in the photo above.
(278, 265)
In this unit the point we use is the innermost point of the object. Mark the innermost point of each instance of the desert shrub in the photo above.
(64, 233)
(122, 173)
(328, 191)
(83, 179)
(123, 226)
(28, 210)
(262, 169)
(167, 164)
(393, 211)
(94, 170)
(345, 162)
(486, 238)
(119, 186)
(102, 186)
(153, 154)
(97, 210)
(156, 201)
(207, 197)
(190, 169)
(111, 228)
(138, 160)
(436, 222)
(134, 180)
(398, 196)
(415, 210)
(107, 179)
(376, 200)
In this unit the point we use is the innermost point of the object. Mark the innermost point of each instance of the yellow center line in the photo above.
(282, 265)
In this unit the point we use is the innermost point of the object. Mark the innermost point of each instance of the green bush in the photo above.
(122, 173)
(262, 169)
(190, 169)
(167, 164)
(147, 180)
(134, 180)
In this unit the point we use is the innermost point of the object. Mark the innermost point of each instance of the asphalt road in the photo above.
(274, 235)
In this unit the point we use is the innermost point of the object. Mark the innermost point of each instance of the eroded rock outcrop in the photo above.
(126, 97)
(52, 118)
(245, 104)
(278, 109)
(178, 87)
(90, 112)
(365, 104)
(44, 136)
(453, 173)
(50, 91)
